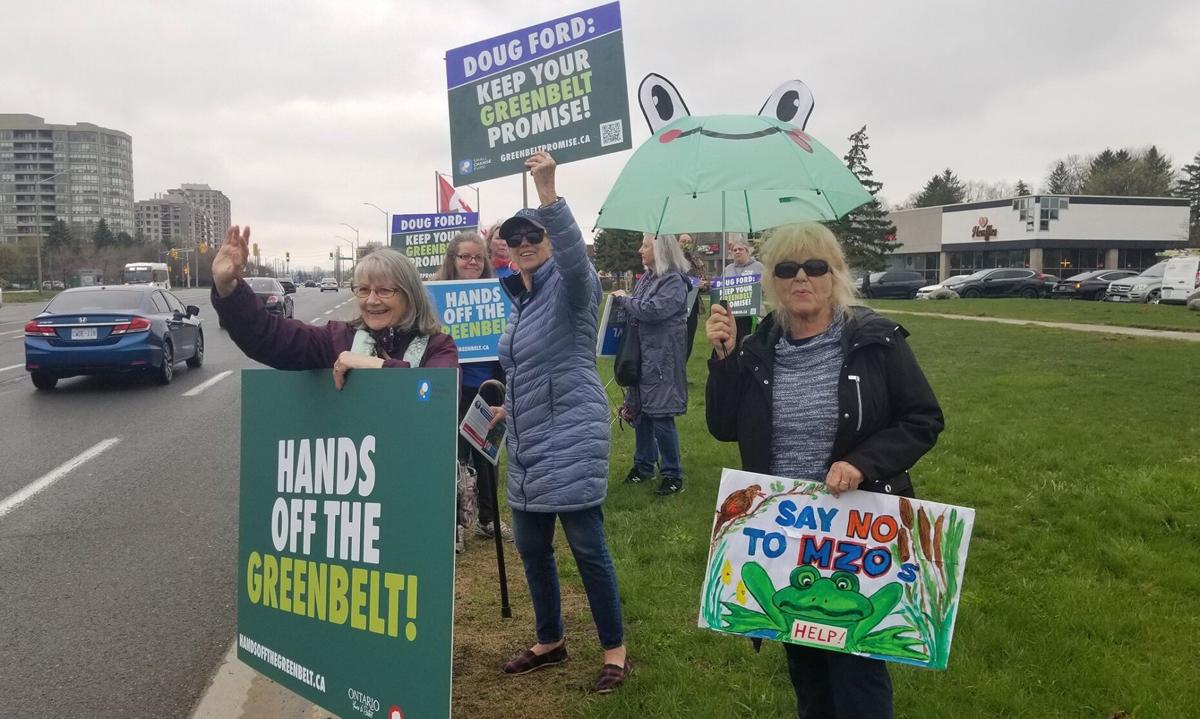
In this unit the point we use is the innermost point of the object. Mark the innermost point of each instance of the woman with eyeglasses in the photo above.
(829, 392)
(658, 306)
(466, 259)
(396, 326)
(558, 431)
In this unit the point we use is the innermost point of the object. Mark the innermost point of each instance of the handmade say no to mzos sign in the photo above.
(870, 574)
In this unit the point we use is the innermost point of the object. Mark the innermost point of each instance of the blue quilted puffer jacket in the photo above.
(558, 430)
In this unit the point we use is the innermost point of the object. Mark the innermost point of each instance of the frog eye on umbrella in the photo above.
(661, 102)
(791, 102)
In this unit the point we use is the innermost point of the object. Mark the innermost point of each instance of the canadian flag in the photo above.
(448, 198)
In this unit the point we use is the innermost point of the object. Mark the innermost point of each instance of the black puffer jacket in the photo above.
(888, 416)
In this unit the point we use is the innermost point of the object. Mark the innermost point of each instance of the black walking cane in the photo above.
(505, 609)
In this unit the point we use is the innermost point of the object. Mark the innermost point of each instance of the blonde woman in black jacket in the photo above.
(824, 391)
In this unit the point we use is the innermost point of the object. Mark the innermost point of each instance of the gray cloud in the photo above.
(302, 111)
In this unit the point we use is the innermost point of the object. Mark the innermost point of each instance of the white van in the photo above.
(1180, 279)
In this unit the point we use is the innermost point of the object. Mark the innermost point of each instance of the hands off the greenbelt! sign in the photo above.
(557, 86)
(864, 573)
(346, 546)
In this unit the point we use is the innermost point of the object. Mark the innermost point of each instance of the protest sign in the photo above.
(612, 326)
(474, 429)
(557, 86)
(474, 313)
(743, 293)
(423, 238)
(346, 537)
(875, 575)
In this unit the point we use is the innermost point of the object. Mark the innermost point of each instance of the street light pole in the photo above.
(338, 260)
(386, 223)
(355, 239)
(37, 217)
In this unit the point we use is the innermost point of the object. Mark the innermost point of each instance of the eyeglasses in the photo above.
(383, 293)
(531, 234)
(788, 269)
(470, 258)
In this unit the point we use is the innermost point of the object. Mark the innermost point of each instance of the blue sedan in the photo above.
(111, 329)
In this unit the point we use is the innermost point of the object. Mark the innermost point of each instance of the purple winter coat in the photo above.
(658, 306)
(285, 343)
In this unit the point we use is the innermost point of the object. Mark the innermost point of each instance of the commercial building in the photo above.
(1056, 234)
(78, 173)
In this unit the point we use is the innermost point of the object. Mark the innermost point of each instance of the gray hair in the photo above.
(668, 256)
(390, 268)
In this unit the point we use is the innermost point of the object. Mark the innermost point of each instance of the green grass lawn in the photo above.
(1082, 584)
(1158, 317)
(29, 296)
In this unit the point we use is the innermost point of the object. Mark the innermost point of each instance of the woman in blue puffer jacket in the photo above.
(557, 420)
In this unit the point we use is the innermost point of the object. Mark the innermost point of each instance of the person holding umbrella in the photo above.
(658, 306)
(558, 433)
(824, 391)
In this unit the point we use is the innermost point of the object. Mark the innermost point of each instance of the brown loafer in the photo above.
(611, 677)
(527, 661)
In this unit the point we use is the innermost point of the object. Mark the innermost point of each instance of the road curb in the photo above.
(238, 692)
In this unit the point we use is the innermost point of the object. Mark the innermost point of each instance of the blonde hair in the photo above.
(389, 268)
(800, 242)
(449, 270)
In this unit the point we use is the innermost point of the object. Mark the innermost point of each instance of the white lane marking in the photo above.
(207, 383)
(11, 366)
(13, 332)
(329, 312)
(15, 500)
(319, 320)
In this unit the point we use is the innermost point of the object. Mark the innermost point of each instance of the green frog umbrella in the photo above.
(728, 173)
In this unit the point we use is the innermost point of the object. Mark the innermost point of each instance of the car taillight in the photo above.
(272, 299)
(33, 329)
(135, 324)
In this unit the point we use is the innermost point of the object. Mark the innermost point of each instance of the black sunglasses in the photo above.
(787, 269)
(531, 234)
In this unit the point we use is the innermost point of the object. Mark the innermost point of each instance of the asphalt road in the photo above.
(117, 581)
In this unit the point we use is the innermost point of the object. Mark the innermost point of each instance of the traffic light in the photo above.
(331, 255)
(175, 255)
(287, 256)
(203, 248)
(255, 253)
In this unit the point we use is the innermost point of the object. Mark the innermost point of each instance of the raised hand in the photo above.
(230, 263)
(721, 331)
(541, 166)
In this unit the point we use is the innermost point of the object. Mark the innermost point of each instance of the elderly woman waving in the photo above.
(826, 392)
(396, 326)
(658, 306)
(558, 433)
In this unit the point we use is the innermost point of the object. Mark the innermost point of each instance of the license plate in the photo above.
(1119, 298)
(83, 333)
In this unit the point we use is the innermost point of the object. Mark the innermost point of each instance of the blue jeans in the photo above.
(657, 435)
(534, 534)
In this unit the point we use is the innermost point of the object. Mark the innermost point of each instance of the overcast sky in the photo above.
(302, 111)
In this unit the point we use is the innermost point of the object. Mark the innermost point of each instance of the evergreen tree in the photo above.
(124, 239)
(1059, 181)
(1022, 189)
(865, 232)
(1189, 187)
(59, 238)
(617, 251)
(1129, 173)
(943, 189)
(1155, 175)
(103, 237)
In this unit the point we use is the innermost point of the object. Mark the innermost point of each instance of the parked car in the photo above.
(272, 294)
(950, 283)
(117, 329)
(289, 287)
(52, 284)
(895, 284)
(1181, 278)
(328, 283)
(1089, 285)
(1003, 282)
(1143, 288)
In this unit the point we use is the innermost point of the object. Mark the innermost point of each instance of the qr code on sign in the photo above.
(612, 133)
